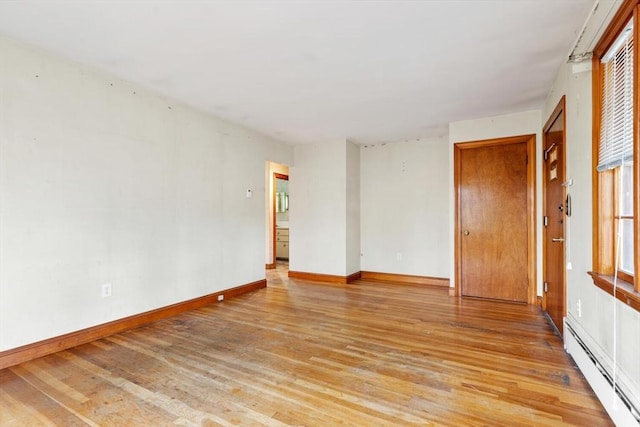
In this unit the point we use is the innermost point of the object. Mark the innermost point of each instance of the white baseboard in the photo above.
(621, 404)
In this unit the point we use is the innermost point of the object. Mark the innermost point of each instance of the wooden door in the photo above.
(554, 211)
(494, 208)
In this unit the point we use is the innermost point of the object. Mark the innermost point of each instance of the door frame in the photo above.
(560, 108)
(276, 175)
(530, 141)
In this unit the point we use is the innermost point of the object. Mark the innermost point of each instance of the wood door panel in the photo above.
(555, 212)
(493, 222)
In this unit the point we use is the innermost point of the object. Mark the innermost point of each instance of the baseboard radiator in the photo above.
(621, 407)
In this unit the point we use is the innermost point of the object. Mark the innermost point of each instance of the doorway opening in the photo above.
(281, 220)
(277, 217)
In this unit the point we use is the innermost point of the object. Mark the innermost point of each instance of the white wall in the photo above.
(596, 323)
(102, 181)
(405, 207)
(321, 181)
(353, 213)
(524, 123)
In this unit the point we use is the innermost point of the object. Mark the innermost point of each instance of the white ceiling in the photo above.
(314, 71)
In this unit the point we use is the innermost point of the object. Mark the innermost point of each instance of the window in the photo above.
(615, 108)
(624, 219)
(615, 147)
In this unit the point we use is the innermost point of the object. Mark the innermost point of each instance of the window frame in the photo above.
(604, 199)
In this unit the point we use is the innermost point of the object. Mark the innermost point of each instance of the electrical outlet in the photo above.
(220, 297)
(105, 290)
(579, 308)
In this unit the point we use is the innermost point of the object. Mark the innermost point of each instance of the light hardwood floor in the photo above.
(311, 354)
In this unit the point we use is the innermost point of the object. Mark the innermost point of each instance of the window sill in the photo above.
(624, 291)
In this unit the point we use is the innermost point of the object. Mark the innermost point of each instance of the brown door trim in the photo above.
(530, 141)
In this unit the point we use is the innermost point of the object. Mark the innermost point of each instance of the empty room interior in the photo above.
(319, 212)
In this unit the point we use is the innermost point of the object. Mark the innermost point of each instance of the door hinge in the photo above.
(545, 220)
(545, 286)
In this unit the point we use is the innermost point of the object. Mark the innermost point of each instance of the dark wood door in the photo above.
(554, 207)
(492, 207)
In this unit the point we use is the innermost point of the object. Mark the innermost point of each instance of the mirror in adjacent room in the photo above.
(282, 200)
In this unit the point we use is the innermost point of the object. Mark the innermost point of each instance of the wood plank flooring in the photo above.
(312, 354)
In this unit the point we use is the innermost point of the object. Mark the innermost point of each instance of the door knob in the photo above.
(558, 239)
(465, 232)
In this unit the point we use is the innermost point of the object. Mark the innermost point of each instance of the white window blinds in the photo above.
(616, 129)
